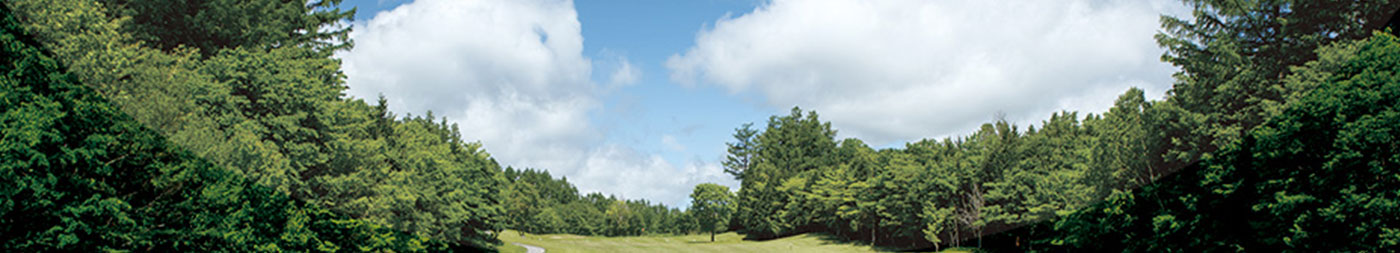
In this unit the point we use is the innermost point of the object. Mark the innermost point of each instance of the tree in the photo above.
(741, 151)
(1123, 154)
(548, 221)
(621, 219)
(1233, 55)
(226, 24)
(1312, 178)
(711, 205)
(791, 145)
(943, 199)
(892, 200)
(523, 207)
(992, 150)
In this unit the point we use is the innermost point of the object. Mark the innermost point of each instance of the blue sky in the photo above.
(647, 33)
(637, 98)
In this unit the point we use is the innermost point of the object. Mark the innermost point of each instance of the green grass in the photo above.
(510, 248)
(726, 243)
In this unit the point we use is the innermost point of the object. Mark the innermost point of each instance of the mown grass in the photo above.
(726, 243)
(510, 248)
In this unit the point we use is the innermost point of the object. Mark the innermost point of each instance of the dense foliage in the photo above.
(535, 202)
(265, 100)
(710, 206)
(79, 175)
(931, 191)
(1318, 177)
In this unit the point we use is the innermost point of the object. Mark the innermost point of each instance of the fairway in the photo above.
(727, 242)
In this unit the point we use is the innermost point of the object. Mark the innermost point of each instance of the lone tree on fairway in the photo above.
(711, 205)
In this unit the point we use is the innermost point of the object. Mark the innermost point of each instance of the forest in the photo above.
(223, 125)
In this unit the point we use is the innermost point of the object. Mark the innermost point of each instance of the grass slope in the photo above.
(726, 243)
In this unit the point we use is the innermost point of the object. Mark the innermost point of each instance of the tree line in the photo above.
(535, 202)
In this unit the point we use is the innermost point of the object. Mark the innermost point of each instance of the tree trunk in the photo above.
(712, 236)
(873, 231)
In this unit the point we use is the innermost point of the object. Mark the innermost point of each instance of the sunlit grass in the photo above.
(510, 248)
(727, 243)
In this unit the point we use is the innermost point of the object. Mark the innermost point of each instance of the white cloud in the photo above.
(625, 74)
(634, 175)
(513, 75)
(889, 71)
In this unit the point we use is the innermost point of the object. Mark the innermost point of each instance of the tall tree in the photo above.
(791, 145)
(741, 151)
(992, 150)
(522, 207)
(1124, 151)
(711, 205)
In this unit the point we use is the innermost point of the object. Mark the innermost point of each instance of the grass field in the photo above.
(726, 243)
(510, 248)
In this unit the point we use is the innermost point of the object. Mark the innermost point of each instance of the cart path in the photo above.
(530, 248)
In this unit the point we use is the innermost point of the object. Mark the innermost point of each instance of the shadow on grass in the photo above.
(830, 239)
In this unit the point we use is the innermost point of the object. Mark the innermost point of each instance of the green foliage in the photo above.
(741, 153)
(791, 145)
(220, 24)
(79, 175)
(1049, 178)
(268, 106)
(1233, 55)
(1312, 178)
(927, 194)
(535, 202)
(711, 205)
(1122, 154)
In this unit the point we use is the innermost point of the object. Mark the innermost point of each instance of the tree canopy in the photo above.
(711, 205)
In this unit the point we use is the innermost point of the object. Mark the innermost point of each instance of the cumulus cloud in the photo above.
(513, 75)
(889, 71)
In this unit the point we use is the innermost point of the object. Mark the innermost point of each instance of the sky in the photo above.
(637, 98)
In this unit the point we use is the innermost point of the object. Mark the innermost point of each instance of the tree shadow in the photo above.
(830, 239)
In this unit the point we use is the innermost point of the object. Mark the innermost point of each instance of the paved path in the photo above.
(530, 248)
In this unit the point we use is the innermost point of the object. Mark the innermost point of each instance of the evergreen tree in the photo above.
(741, 151)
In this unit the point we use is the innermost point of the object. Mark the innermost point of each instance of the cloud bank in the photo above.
(893, 71)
